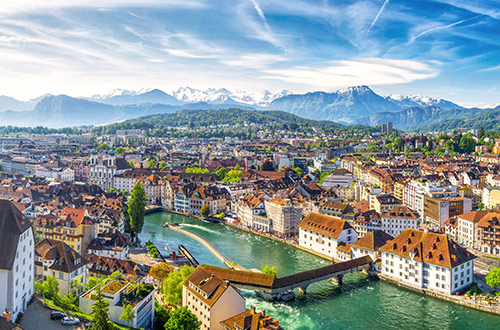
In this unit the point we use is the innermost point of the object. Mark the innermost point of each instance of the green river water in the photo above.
(359, 304)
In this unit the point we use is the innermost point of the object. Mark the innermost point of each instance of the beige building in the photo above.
(55, 258)
(284, 215)
(211, 299)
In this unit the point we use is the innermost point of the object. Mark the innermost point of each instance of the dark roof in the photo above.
(12, 225)
(8, 325)
(65, 258)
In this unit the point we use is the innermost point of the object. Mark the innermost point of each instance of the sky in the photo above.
(441, 48)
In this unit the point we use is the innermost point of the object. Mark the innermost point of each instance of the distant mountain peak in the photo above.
(361, 89)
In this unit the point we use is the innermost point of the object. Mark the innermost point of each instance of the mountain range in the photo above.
(353, 105)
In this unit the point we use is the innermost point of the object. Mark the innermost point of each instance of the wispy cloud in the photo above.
(441, 28)
(371, 71)
(375, 20)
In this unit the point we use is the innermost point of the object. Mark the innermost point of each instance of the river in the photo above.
(359, 304)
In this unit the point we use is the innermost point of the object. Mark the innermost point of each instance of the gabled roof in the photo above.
(373, 241)
(324, 224)
(251, 320)
(65, 258)
(210, 287)
(400, 212)
(12, 225)
(428, 247)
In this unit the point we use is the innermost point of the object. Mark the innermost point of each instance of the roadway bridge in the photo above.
(271, 287)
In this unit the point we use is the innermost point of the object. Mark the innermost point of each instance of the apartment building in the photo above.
(55, 258)
(211, 299)
(393, 222)
(285, 216)
(322, 233)
(427, 260)
(438, 210)
(17, 260)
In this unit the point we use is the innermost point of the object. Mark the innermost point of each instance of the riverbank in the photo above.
(478, 304)
(278, 239)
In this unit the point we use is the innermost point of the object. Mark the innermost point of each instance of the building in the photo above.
(103, 168)
(55, 258)
(285, 216)
(427, 260)
(119, 293)
(438, 210)
(110, 243)
(393, 222)
(251, 320)
(384, 202)
(73, 227)
(322, 233)
(211, 299)
(17, 260)
(6, 324)
(386, 129)
(370, 245)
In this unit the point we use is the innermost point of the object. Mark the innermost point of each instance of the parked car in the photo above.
(57, 315)
(70, 320)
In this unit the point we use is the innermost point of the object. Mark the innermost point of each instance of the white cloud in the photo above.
(369, 71)
(19, 6)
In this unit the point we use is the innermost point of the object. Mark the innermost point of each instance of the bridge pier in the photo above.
(338, 279)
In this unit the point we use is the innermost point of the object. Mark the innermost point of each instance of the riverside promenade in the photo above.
(209, 246)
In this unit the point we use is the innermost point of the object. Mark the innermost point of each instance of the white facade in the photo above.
(324, 244)
(427, 275)
(17, 285)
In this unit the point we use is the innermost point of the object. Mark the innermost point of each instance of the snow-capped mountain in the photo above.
(421, 101)
(120, 92)
(225, 96)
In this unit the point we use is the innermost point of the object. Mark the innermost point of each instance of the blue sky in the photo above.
(440, 48)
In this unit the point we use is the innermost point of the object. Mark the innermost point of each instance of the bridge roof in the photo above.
(320, 272)
(270, 281)
(242, 277)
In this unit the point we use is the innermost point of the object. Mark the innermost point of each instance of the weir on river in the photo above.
(358, 304)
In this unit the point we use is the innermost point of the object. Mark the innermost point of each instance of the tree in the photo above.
(103, 146)
(162, 164)
(237, 167)
(269, 270)
(48, 288)
(182, 319)
(137, 209)
(172, 286)
(493, 277)
(162, 315)
(221, 173)
(128, 314)
(151, 164)
(481, 133)
(205, 210)
(100, 311)
(480, 206)
(160, 271)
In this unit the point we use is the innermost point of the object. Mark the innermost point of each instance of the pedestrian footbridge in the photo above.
(271, 287)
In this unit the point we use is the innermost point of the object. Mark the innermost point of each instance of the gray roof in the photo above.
(12, 225)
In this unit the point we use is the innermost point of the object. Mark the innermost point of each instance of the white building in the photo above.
(211, 299)
(103, 167)
(393, 222)
(17, 260)
(58, 173)
(428, 261)
(119, 293)
(322, 233)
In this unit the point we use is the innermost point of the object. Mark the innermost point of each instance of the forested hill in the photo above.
(206, 118)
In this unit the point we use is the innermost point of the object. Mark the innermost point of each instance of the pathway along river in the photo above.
(358, 304)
